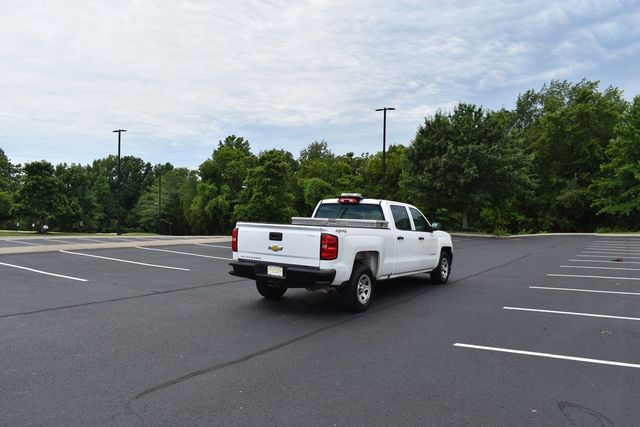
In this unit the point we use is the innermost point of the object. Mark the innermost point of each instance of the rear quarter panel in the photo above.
(351, 241)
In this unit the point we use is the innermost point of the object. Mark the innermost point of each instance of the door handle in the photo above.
(400, 238)
(420, 238)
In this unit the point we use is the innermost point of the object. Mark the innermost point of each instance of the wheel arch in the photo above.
(369, 258)
(449, 251)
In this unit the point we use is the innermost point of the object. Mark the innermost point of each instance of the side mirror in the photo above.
(435, 226)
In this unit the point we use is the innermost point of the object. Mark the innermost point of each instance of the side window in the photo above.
(400, 217)
(419, 221)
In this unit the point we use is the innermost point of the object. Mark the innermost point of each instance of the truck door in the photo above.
(406, 241)
(427, 255)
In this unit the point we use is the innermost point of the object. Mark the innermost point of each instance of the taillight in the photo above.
(234, 240)
(328, 247)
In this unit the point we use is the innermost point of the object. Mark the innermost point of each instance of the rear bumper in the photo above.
(294, 276)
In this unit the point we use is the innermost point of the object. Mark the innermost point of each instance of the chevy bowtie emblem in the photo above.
(275, 248)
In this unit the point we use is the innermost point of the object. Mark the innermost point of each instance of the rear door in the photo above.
(283, 244)
(406, 243)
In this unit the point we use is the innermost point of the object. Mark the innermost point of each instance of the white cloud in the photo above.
(181, 75)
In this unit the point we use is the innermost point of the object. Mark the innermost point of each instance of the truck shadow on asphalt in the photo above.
(316, 304)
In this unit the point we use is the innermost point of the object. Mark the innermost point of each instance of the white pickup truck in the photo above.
(347, 245)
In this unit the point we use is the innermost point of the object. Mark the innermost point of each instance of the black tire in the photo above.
(356, 295)
(269, 291)
(441, 273)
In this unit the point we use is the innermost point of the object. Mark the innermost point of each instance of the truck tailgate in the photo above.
(288, 244)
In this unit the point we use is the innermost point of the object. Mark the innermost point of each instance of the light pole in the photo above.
(119, 131)
(384, 144)
(159, 199)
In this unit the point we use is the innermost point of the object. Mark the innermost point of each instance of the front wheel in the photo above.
(269, 291)
(357, 293)
(441, 273)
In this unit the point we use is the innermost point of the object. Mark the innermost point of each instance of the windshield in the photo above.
(349, 211)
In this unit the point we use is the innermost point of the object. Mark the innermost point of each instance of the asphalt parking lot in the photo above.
(529, 331)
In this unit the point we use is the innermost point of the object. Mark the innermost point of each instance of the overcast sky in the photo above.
(181, 75)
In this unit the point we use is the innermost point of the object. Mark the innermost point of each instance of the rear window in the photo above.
(400, 217)
(349, 211)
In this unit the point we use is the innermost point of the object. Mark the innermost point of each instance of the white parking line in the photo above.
(612, 245)
(615, 249)
(593, 277)
(549, 355)
(213, 246)
(608, 256)
(584, 290)
(127, 261)
(623, 244)
(24, 243)
(571, 313)
(184, 253)
(600, 268)
(61, 241)
(618, 241)
(43, 272)
(630, 247)
(607, 250)
(617, 253)
(600, 260)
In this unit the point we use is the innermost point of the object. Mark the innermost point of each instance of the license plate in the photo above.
(274, 270)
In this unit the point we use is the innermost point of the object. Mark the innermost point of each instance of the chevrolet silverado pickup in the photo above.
(347, 245)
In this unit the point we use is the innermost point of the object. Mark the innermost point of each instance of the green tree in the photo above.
(566, 128)
(315, 175)
(215, 197)
(316, 162)
(159, 207)
(315, 189)
(80, 210)
(269, 189)
(203, 213)
(8, 186)
(352, 174)
(395, 174)
(462, 162)
(136, 175)
(41, 197)
(617, 191)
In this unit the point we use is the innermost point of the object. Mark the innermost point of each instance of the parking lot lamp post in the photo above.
(384, 145)
(118, 230)
(159, 199)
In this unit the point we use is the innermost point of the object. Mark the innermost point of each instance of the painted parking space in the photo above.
(170, 251)
(46, 273)
(42, 281)
(589, 289)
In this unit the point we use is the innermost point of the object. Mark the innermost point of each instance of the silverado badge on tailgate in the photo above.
(275, 248)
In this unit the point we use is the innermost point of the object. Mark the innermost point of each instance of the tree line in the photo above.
(566, 158)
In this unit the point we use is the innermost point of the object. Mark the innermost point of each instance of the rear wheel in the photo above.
(269, 291)
(441, 273)
(357, 293)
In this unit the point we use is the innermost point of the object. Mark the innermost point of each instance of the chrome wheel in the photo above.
(444, 268)
(356, 295)
(363, 290)
(441, 273)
